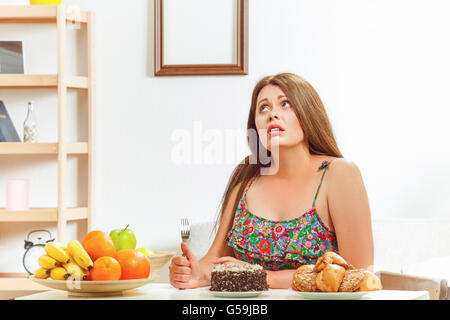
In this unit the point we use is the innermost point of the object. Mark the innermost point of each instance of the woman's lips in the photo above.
(274, 129)
(275, 132)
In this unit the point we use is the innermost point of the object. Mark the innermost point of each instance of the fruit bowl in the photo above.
(159, 259)
(95, 288)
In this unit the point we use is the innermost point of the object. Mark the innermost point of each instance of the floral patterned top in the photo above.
(277, 245)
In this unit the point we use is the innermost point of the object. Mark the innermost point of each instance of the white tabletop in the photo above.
(164, 291)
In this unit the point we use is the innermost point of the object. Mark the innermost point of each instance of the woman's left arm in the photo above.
(349, 208)
(281, 279)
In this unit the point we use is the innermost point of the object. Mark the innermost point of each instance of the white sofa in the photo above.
(413, 246)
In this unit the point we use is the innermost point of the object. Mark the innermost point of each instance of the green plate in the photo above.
(246, 294)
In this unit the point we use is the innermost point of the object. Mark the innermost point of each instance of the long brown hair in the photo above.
(313, 120)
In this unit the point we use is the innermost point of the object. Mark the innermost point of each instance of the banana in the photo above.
(80, 255)
(70, 256)
(57, 251)
(59, 273)
(47, 262)
(75, 270)
(41, 273)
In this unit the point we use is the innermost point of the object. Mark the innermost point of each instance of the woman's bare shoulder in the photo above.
(343, 167)
(344, 178)
(238, 185)
(235, 189)
(233, 195)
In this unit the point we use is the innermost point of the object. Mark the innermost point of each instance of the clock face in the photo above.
(31, 256)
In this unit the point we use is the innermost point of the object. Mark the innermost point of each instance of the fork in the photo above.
(185, 229)
(185, 232)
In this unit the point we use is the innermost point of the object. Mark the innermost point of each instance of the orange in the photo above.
(135, 265)
(106, 268)
(98, 244)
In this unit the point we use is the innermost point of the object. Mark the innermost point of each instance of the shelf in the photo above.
(40, 81)
(41, 215)
(16, 148)
(38, 14)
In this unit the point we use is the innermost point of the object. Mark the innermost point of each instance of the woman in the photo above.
(266, 215)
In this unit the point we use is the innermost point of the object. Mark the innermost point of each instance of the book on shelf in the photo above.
(11, 57)
(8, 132)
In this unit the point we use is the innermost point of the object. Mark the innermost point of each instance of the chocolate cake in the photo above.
(238, 278)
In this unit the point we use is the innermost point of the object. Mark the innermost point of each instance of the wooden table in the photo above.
(17, 285)
(164, 291)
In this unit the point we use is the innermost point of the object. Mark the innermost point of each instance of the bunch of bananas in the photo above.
(62, 262)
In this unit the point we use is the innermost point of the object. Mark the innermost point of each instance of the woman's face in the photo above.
(276, 120)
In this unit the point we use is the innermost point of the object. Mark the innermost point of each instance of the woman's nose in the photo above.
(273, 115)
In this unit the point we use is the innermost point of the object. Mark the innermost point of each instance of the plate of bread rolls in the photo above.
(333, 278)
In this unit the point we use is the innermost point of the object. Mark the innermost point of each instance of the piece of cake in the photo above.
(238, 278)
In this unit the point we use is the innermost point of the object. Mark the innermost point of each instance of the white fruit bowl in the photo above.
(159, 259)
(95, 288)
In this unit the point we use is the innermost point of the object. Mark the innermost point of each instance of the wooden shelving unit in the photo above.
(40, 81)
(62, 82)
(41, 14)
(42, 215)
(16, 148)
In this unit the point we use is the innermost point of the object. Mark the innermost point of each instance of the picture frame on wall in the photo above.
(11, 57)
(201, 37)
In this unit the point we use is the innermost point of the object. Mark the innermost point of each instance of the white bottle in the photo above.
(29, 125)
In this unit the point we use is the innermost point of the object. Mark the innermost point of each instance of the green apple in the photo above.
(123, 239)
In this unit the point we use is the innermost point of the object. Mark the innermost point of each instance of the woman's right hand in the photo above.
(184, 271)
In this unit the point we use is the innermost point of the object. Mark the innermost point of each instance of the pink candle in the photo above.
(17, 195)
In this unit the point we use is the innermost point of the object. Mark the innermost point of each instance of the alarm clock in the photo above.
(34, 248)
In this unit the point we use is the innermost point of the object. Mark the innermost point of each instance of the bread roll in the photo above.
(370, 282)
(304, 279)
(331, 257)
(332, 273)
(352, 280)
(330, 278)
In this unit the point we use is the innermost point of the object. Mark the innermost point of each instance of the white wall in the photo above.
(381, 68)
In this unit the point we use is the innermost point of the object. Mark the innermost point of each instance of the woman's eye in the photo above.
(263, 107)
(286, 104)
